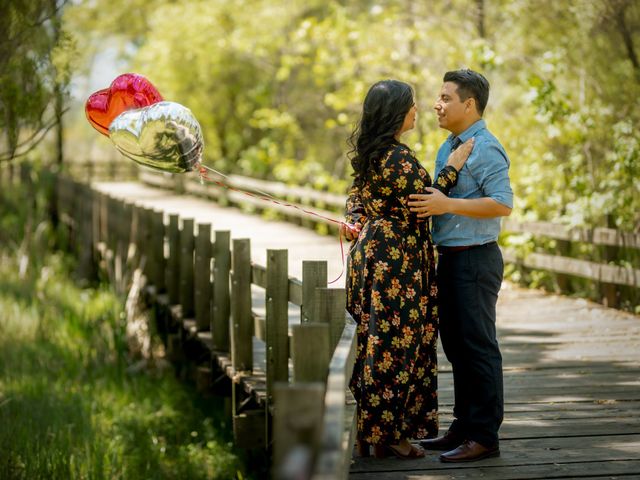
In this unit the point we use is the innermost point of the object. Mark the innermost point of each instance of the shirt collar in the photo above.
(469, 132)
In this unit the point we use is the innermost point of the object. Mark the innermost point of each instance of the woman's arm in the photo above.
(448, 176)
(354, 214)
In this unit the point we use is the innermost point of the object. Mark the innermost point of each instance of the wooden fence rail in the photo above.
(287, 375)
(610, 277)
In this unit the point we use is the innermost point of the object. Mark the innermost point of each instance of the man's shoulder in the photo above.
(487, 142)
(487, 139)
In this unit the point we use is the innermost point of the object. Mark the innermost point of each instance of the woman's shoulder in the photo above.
(398, 152)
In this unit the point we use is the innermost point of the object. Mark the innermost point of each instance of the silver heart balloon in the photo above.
(164, 136)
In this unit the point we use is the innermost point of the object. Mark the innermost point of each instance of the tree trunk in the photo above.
(58, 112)
(480, 18)
(620, 9)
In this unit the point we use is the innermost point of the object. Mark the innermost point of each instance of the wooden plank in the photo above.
(248, 429)
(552, 470)
(310, 352)
(259, 326)
(187, 241)
(314, 275)
(112, 225)
(556, 395)
(221, 306)
(133, 256)
(241, 321)
(330, 306)
(150, 266)
(277, 324)
(282, 190)
(580, 268)
(156, 246)
(514, 428)
(202, 279)
(172, 276)
(610, 236)
(259, 278)
(595, 236)
(295, 291)
(86, 264)
(517, 453)
(259, 275)
(333, 458)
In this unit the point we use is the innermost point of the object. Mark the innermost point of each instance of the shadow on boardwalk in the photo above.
(572, 393)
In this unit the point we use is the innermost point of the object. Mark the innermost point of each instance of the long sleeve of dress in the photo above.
(447, 179)
(354, 209)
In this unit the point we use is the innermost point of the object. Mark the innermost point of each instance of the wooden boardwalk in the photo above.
(572, 368)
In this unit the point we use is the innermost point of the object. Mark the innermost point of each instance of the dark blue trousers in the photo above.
(468, 286)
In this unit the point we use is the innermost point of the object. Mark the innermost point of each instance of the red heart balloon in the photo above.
(126, 92)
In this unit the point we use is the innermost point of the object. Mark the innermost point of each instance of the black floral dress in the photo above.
(391, 294)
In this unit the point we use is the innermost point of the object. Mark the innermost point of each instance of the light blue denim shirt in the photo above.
(485, 174)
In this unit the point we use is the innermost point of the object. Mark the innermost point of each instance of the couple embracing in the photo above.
(399, 299)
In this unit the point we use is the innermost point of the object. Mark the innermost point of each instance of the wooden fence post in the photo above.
(221, 300)
(86, 261)
(104, 226)
(297, 425)
(330, 305)
(172, 274)
(186, 267)
(314, 274)
(277, 318)
(310, 352)
(112, 225)
(156, 245)
(241, 320)
(136, 238)
(609, 291)
(129, 228)
(563, 248)
(202, 280)
(142, 239)
(151, 268)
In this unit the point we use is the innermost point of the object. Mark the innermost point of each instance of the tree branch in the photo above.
(11, 41)
(38, 136)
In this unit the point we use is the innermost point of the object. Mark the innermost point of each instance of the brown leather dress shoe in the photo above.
(448, 441)
(470, 451)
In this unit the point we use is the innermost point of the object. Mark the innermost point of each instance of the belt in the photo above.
(444, 250)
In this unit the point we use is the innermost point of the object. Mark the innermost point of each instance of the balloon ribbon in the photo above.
(204, 176)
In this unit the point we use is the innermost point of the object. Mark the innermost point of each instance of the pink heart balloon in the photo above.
(127, 91)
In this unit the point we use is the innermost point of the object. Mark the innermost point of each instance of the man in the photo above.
(466, 225)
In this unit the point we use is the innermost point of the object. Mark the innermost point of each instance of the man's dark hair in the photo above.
(470, 84)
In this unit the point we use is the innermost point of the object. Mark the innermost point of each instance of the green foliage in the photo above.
(36, 60)
(278, 86)
(69, 406)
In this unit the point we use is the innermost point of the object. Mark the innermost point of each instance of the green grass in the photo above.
(69, 409)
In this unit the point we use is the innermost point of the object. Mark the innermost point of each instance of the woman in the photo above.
(391, 290)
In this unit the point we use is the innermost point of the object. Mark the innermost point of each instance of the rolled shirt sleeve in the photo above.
(489, 167)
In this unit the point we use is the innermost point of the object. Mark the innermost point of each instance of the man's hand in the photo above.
(437, 203)
(350, 231)
(426, 205)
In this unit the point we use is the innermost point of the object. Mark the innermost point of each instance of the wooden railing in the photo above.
(608, 246)
(89, 170)
(286, 369)
(612, 269)
(326, 204)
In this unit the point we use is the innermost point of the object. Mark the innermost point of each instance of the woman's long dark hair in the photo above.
(383, 112)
